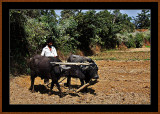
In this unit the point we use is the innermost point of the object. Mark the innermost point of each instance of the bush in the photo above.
(67, 44)
(147, 35)
(139, 38)
(131, 41)
(127, 39)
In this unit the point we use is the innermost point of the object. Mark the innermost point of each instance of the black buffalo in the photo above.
(83, 72)
(41, 66)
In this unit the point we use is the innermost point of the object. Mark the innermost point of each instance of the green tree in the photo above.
(67, 34)
(67, 13)
(109, 24)
(18, 43)
(86, 29)
(142, 21)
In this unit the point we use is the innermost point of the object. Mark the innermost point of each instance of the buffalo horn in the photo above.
(64, 67)
(85, 68)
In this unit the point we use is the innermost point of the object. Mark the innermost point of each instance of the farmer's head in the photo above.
(49, 42)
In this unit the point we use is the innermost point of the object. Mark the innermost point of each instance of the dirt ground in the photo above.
(120, 82)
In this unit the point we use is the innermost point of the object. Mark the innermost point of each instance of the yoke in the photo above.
(70, 63)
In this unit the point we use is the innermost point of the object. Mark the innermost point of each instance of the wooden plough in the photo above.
(73, 63)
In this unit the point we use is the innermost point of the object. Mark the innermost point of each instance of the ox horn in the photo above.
(85, 67)
(65, 67)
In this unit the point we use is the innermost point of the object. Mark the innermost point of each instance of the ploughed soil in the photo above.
(120, 82)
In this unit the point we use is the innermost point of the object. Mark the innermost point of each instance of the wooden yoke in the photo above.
(70, 63)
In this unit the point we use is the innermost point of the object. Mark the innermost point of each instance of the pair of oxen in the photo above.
(41, 66)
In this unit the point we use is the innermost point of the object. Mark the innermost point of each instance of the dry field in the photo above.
(123, 80)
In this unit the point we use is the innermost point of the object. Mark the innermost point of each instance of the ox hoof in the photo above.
(65, 84)
(32, 91)
(46, 81)
(30, 88)
(61, 95)
(50, 93)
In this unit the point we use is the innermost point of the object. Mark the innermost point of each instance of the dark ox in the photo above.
(83, 72)
(41, 66)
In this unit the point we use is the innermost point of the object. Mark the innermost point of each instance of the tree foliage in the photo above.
(142, 21)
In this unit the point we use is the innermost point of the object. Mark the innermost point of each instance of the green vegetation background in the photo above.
(74, 32)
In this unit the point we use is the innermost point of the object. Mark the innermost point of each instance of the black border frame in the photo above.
(6, 107)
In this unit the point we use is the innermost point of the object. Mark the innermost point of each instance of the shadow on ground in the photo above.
(45, 90)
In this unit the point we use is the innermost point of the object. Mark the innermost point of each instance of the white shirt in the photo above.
(49, 53)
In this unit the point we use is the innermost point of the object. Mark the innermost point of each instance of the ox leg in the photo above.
(82, 82)
(50, 91)
(86, 81)
(69, 82)
(32, 83)
(58, 86)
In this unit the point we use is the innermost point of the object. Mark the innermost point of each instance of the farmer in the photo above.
(49, 51)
